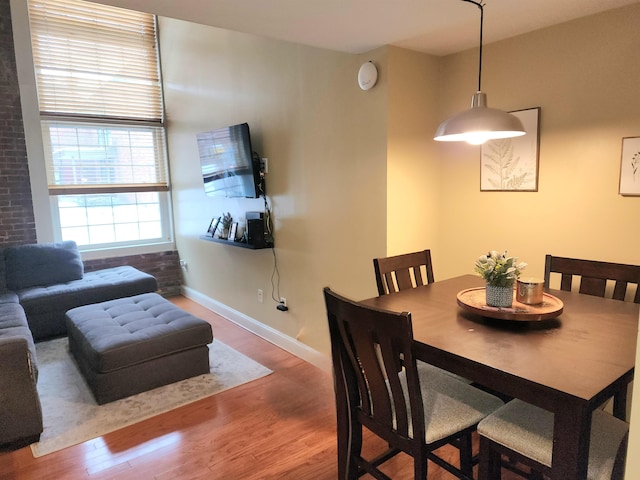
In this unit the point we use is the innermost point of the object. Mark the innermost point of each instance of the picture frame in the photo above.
(232, 232)
(630, 167)
(213, 226)
(511, 164)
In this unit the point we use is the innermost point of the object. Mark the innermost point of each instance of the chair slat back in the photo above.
(369, 349)
(402, 272)
(593, 276)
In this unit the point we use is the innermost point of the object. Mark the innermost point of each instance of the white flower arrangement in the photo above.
(498, 269)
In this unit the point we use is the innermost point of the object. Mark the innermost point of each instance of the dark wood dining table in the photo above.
(568, 365)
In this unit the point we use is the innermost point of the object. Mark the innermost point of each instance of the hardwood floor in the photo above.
(278, 427)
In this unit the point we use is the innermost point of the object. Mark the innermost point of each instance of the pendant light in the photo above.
(480, 123)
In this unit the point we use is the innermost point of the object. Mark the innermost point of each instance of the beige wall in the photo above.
(413, 166)
(326, 143)
(633, 460)
(584, 75)
(347, 165)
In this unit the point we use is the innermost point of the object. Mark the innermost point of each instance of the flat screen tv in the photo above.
(229, 166)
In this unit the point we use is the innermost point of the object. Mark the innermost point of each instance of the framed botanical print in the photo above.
(630, 166)
(511, 164)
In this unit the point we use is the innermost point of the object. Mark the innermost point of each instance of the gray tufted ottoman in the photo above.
(130, 345)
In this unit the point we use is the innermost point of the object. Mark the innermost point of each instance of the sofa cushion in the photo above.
(13, 324)
(42, 264)
(45, 306)
(9, 297)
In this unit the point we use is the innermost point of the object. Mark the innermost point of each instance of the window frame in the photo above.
(166, 239)
(144, 246)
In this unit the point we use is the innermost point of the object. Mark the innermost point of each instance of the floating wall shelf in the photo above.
(233, 244)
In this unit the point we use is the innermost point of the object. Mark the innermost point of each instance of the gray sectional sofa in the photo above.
(43, 282)
(20, 415)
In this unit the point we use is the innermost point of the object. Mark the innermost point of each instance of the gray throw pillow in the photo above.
(42, 264)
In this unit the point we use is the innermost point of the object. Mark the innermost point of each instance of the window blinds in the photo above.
(85, 158)
(100, 97)
(95, 60)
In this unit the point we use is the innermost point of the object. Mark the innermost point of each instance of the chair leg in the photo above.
(343, 436)
(466, 454)
(489, 467)
(420, 463)
(349, 447)
(535, 475)
(355, 451)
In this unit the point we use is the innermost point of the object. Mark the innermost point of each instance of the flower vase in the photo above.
(499, 296)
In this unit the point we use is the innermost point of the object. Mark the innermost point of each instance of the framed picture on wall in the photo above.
(232, 231)
(630, 167)
(213, 226)
(511, 164)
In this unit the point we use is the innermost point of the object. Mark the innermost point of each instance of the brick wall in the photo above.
(17, 222)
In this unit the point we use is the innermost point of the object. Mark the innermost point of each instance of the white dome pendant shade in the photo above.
(480, 123)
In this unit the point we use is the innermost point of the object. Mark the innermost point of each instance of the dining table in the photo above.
(570, 364)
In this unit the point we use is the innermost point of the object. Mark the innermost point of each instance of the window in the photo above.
(100, 98)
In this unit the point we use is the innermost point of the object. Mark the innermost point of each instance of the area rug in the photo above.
(72, 416)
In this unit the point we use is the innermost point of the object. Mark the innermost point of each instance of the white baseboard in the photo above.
(272, 335)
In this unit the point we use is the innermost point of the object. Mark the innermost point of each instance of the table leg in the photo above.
(572, 425)
(620, 404)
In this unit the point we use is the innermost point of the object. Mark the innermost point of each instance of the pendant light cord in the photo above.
(480, 5)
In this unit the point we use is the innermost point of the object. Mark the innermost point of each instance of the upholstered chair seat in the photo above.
(528, 431)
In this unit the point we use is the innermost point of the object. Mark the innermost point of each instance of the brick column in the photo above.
(17, 223)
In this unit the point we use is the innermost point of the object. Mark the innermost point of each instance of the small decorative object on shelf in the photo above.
(225, 221)
(500, 272)
(232, 232)
(213, 226)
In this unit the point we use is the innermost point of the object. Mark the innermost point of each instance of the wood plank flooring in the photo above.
(278, 427)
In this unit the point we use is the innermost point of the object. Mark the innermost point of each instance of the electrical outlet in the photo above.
(184, 265)
(264, 165)
(282, 305)
(260, 296)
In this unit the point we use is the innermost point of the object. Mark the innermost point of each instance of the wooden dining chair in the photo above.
(402, 272)
(593, 277)
(379, 385)
(523, 433)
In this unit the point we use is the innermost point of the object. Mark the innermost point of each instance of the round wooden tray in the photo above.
(474, 300)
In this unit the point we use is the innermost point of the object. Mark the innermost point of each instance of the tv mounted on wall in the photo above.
(230, 167)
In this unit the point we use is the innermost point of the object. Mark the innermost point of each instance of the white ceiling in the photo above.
(438, 27)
